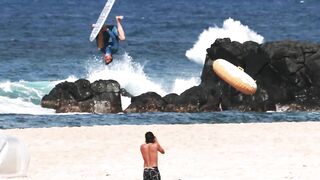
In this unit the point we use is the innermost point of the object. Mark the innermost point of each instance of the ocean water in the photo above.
(44, 42)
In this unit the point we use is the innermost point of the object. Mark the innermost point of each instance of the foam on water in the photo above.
(231, 29)
(24, 97)
(21, 106)
(129, 74)
(132, 77)
(180, 85)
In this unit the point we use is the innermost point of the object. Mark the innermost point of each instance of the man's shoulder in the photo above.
(148, 145)
(143, 145)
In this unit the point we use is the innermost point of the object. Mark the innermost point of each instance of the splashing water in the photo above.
(129, 74)
(231, 29)
(24, 97)
(180, 85)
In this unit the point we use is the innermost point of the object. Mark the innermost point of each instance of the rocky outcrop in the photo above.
(287, 74)
(147, 102)
(101, 96)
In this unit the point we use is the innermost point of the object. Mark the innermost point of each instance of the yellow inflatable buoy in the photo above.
(234, 76)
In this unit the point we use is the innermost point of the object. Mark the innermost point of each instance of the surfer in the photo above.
(149, 152)
(108, 39)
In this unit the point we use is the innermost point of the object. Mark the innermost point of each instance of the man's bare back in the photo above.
(149, 152)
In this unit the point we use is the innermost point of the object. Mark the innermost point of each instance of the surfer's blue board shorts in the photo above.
(113, 41)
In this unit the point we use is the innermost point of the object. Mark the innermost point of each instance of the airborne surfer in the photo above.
(108, 39)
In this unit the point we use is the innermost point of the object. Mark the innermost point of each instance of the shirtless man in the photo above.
(149, 152)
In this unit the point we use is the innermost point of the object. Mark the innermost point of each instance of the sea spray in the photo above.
(24, 97)
(180, 85)
(132, 77)
(231, 29)
(128, 73)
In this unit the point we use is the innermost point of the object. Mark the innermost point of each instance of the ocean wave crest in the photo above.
(231, 29)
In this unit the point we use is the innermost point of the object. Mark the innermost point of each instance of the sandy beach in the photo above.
(195, 152)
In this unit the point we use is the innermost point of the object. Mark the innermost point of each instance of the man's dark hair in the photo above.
(149, 137)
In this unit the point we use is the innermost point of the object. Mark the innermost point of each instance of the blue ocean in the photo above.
(45, 42)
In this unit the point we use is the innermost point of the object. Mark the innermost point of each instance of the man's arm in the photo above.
(160, 149)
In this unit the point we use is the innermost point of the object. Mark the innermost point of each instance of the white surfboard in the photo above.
(102, 18)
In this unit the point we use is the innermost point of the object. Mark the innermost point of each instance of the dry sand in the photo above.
(193, 152)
